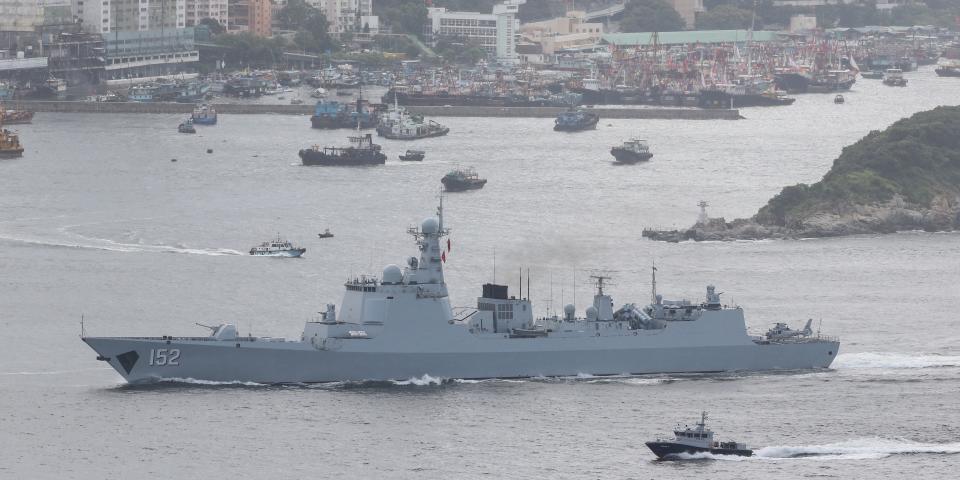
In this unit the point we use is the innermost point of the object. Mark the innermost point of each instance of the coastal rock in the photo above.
(904, 178)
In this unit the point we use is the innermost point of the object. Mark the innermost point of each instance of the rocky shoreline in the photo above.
(895, 215)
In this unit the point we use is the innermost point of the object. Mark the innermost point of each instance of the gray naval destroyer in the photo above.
(401, 326)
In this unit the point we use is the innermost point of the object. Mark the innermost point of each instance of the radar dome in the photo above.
(569, 310)
(392, 274)
(430, 226)
(591, 313)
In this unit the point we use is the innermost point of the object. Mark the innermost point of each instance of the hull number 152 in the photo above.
(164, 356)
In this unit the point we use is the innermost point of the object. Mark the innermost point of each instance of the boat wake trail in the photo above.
(859, 449)
(65, 238)
(865, 448)
(866, 360)
(193, 381)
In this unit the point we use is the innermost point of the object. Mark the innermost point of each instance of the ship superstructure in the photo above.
(400, 325)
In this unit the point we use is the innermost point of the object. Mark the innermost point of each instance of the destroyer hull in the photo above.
(141, 360)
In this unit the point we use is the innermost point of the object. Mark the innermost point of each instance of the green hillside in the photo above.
(917, 158)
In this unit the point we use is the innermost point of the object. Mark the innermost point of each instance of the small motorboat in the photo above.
(894, 78)
(838, 99)
(698, 439)
(326, 234)
(187, 126)
(413, 156)
(632, 151)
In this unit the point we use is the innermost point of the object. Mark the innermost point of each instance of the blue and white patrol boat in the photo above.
(696, 439)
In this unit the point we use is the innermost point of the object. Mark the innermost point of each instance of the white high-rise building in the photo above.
(199, 9)
(347, 15)
(495, 32)
(507, 30)
(105, 16)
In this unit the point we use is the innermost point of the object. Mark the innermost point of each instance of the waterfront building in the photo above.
(642, 39)
(573, 22)
(254, 16)
(105, 16)
(495, 32)
(348, 15)
(688, 10)
(142, 55)
(20, 15)
(77, 57)
(803, 23)
(197, 10)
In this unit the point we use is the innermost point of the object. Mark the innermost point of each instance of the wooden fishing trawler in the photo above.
(362, 151)
(9, 144)
(16, 116)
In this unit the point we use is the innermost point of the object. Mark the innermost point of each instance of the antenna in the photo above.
(528, 283)
(82, 332)
(574, 285)
(494, 264)
(521, 283)
(599, 280)
(653, 284)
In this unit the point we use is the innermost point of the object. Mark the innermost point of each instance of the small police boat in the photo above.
(695, 440)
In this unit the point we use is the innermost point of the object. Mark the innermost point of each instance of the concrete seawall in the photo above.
(233, 108)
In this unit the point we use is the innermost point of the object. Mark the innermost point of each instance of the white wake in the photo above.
(893, 361)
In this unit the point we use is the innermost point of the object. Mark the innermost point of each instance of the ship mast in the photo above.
(653, 284)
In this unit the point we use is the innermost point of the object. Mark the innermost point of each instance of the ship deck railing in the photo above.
(762, 339)
(209, 339)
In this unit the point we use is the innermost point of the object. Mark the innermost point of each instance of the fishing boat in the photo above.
(17, 116)
(413, 156)
(872, 74)
(204, 115)
(576, 120)
(838, 99)
(406, 127)
(325, 234)
(948, 70)
(894, 77)
(277, 248)
(362, 151)
(831, 81)
(186, 126)
(632, 151)
(9, 143)
(462, 179)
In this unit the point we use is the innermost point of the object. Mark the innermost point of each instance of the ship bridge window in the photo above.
(505, 311)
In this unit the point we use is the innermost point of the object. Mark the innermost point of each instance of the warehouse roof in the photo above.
(688, 37)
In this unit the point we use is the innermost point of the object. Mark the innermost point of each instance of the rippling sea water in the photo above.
(96, 220)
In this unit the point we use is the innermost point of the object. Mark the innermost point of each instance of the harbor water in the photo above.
(97, 222)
